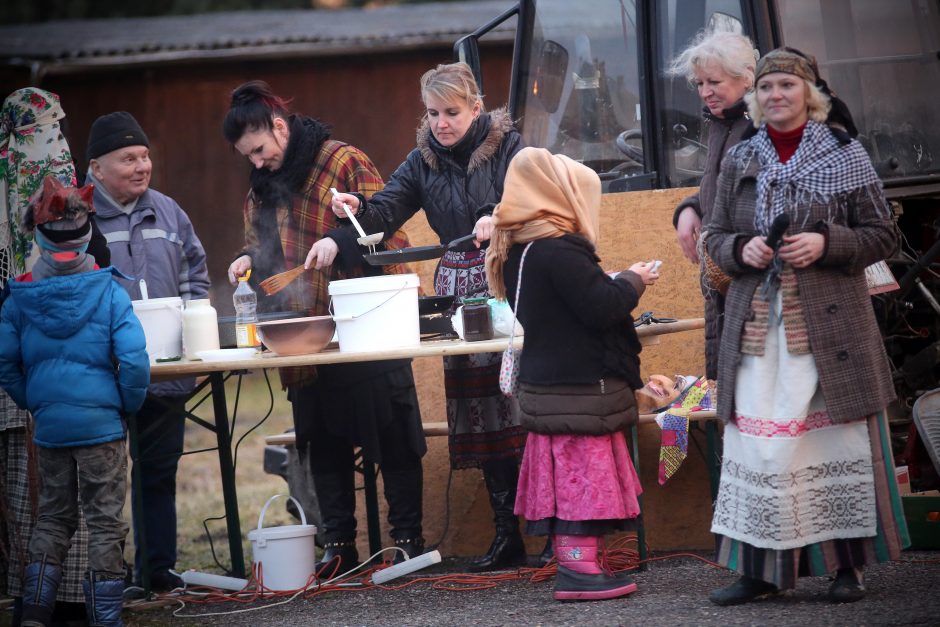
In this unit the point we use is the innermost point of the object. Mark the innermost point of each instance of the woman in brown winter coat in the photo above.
(807, 480)
(720, 65)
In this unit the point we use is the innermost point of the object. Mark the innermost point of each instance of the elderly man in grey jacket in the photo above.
(150, 238)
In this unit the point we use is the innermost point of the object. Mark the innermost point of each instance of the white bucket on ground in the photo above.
(162, 319)
(285, 555)
(376, 312)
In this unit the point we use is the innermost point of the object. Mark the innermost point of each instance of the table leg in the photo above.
(137, 503)
(372, 507)
(227, 471)
(640, 528)
(712, 456)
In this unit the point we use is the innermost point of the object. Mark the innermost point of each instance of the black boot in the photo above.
(337, 495)
(413, 547)
(743, 590)
(507, 548)
(847, 587)
(547, 554)
(338, 557)
(40, 585)
(403, 493)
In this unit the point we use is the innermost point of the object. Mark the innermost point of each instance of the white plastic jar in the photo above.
(200, 328)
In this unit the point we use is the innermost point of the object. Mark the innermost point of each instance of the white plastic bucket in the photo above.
(376, 312)
(162, 319)
(285, 555)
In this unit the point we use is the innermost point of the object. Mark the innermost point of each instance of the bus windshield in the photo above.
(585, 81)
(581, 86)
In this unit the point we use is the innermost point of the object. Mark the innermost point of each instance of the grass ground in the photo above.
(199, 488)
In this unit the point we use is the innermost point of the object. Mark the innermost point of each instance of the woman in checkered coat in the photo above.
(807, 480)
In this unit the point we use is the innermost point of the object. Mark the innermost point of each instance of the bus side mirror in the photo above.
(722, 22)
(550, 75)
(467, 49)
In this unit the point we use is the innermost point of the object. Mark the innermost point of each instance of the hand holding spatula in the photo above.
(364, 240)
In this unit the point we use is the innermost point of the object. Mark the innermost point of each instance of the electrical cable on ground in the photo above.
(264, 419)
(618, 556)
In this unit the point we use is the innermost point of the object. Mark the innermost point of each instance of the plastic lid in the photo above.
(246, 276)
(366, 285)
(157, 303)
(475, 300)
(283, 532)
(197, 302)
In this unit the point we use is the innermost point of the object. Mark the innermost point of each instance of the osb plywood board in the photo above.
(634, 226)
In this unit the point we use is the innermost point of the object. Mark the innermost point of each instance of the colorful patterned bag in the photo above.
(509, 370)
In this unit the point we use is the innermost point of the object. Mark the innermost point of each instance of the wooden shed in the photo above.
(355, 69)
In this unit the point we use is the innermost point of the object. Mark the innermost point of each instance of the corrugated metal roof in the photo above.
(247, 33)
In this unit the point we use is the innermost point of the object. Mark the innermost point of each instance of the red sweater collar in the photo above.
(786, 142)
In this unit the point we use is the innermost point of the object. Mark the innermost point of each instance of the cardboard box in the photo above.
(904, 480)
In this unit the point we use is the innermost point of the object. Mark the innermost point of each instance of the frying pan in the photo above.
(434, 304)
(415, 253)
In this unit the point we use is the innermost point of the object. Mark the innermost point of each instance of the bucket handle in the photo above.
(303, 517)
(349, 317)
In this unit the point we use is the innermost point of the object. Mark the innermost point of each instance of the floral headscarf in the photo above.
(31, 146)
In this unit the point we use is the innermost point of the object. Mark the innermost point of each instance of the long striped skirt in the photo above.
(782, 567)
(801, 495)
(483, 424)
(17, 455)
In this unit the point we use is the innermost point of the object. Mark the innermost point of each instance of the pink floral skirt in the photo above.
(577, 478)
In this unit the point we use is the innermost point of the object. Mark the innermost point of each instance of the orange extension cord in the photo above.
(618, 556)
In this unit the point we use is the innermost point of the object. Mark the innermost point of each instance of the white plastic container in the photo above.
(285, 555)
(376, 313)
(162, 319)
(200, 328)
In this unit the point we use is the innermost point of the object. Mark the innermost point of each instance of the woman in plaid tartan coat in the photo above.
(287, 223)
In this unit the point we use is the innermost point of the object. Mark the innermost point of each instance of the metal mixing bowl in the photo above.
(297, 336)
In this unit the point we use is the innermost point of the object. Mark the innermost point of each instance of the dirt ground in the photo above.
(672, 591)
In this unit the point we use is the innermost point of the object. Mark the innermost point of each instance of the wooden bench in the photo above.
(435, 429)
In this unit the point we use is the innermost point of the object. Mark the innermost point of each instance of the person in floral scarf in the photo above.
(31, 146)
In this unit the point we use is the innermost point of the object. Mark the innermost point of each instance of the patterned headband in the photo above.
(788, 61)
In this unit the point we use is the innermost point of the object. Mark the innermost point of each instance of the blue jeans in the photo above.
(96, 474)
(160, 442)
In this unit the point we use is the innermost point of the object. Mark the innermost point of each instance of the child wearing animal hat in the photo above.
(73, 353)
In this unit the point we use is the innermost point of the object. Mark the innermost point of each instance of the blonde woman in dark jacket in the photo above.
(720, 65)
(807, 479)
(455, 174)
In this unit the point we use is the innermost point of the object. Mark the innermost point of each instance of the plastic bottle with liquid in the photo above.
(246, 314)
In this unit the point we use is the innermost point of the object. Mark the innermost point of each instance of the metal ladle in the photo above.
(364, 240)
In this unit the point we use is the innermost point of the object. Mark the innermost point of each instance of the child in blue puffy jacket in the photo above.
(73, 353)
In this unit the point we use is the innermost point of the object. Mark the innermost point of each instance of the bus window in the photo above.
(891, 82)
(682, 131)
(580, 88)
